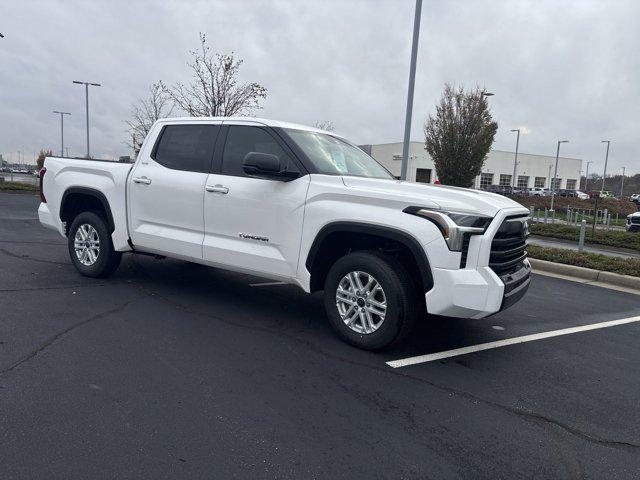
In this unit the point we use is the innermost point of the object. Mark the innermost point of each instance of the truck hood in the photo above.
(422, 194)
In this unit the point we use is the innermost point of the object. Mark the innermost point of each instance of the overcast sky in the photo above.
(559, 69)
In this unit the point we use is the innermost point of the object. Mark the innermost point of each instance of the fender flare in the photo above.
(90, 192)
(399, 236)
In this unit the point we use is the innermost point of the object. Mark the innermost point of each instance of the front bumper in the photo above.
(475, 293)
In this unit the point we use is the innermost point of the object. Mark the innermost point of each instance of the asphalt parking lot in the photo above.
(174, 370)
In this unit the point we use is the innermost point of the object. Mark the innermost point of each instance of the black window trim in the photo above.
(209, 170)
(271, 131)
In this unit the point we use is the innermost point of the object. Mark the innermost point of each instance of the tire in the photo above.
(90, 261)
(398, 290)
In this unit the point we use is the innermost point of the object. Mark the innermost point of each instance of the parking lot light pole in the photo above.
(622, 184)
(412, 81)
(62, 114)
(515, 160)
(586, 177)
(555, 174)
(606, 159)
(86, 93)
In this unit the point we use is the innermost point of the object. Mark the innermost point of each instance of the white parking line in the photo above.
(404, 362)
(266, 284)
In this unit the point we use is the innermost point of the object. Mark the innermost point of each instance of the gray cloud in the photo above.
(561, 69)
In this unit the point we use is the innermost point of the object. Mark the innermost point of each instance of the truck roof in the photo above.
(247, 120)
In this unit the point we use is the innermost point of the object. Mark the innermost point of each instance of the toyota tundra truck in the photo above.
(297, 205)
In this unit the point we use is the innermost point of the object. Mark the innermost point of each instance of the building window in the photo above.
(523, 181)
(540, 182)
(555, 183)
(505, 180)
(486, 179)
(423, 175)
(571, 183)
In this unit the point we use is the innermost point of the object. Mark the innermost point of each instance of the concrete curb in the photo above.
(589, 274)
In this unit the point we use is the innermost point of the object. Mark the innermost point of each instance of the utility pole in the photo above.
(555, 175)
(606, 159)
(86, 93)
(62, 114)
(622, 185)
(586, 177)
(412, 81)
(515, 160)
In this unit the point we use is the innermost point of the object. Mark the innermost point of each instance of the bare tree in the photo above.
(214, 90)
(460, 135)
(324, 125)
(144, 113)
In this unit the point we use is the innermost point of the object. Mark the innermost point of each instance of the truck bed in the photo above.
(106, 178)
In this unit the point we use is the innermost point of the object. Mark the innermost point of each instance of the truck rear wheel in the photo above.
(370, 300)
(90, 246)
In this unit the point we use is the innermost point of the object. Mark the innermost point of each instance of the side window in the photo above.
(244, 139)
(187, 147)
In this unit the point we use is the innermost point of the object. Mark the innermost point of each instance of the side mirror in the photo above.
(265, 165)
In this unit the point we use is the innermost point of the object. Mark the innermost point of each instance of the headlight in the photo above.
(454, 226)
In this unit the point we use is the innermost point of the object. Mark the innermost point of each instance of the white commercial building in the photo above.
(532, 170)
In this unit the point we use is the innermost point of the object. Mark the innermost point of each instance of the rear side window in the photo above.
(244, 139)
(187, 147)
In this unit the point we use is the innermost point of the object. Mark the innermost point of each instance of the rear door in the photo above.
(253, 224)
(166, 190)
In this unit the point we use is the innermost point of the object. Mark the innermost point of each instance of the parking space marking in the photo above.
(405, 362)
(266, 284)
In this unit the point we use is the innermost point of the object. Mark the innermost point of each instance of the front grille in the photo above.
(508, 248)
(635, 220)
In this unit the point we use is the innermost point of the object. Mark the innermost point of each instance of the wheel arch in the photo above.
(323, 248)
(76, 200)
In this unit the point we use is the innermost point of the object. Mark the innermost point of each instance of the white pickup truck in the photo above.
(298, 205)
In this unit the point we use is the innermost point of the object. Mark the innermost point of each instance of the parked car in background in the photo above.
(633, 222)
(582, 195)
(500, 189)
(563, 192)
(537, 192)
(606, 194)
(635, 198)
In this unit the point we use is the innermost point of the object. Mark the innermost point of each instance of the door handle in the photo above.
(216, 188)
(144, 180)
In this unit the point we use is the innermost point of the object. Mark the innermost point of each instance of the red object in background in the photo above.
(437, 182)
(42, 172)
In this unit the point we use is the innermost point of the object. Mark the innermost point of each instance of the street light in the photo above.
(412, 81)
(555, 175)
(606, 159)
(586, 177)
(86, 92)
(515, 161)
(622, 185)
(62, 114)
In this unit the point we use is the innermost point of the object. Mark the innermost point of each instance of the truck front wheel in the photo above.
(370, 300)
(90, 246)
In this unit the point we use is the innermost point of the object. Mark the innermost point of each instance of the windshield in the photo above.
(333, 156)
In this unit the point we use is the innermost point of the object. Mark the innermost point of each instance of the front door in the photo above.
(166, 191)
(254, 224)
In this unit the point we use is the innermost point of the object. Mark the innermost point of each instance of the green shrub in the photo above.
(18, 186)
(610, 238)
(605, 263)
